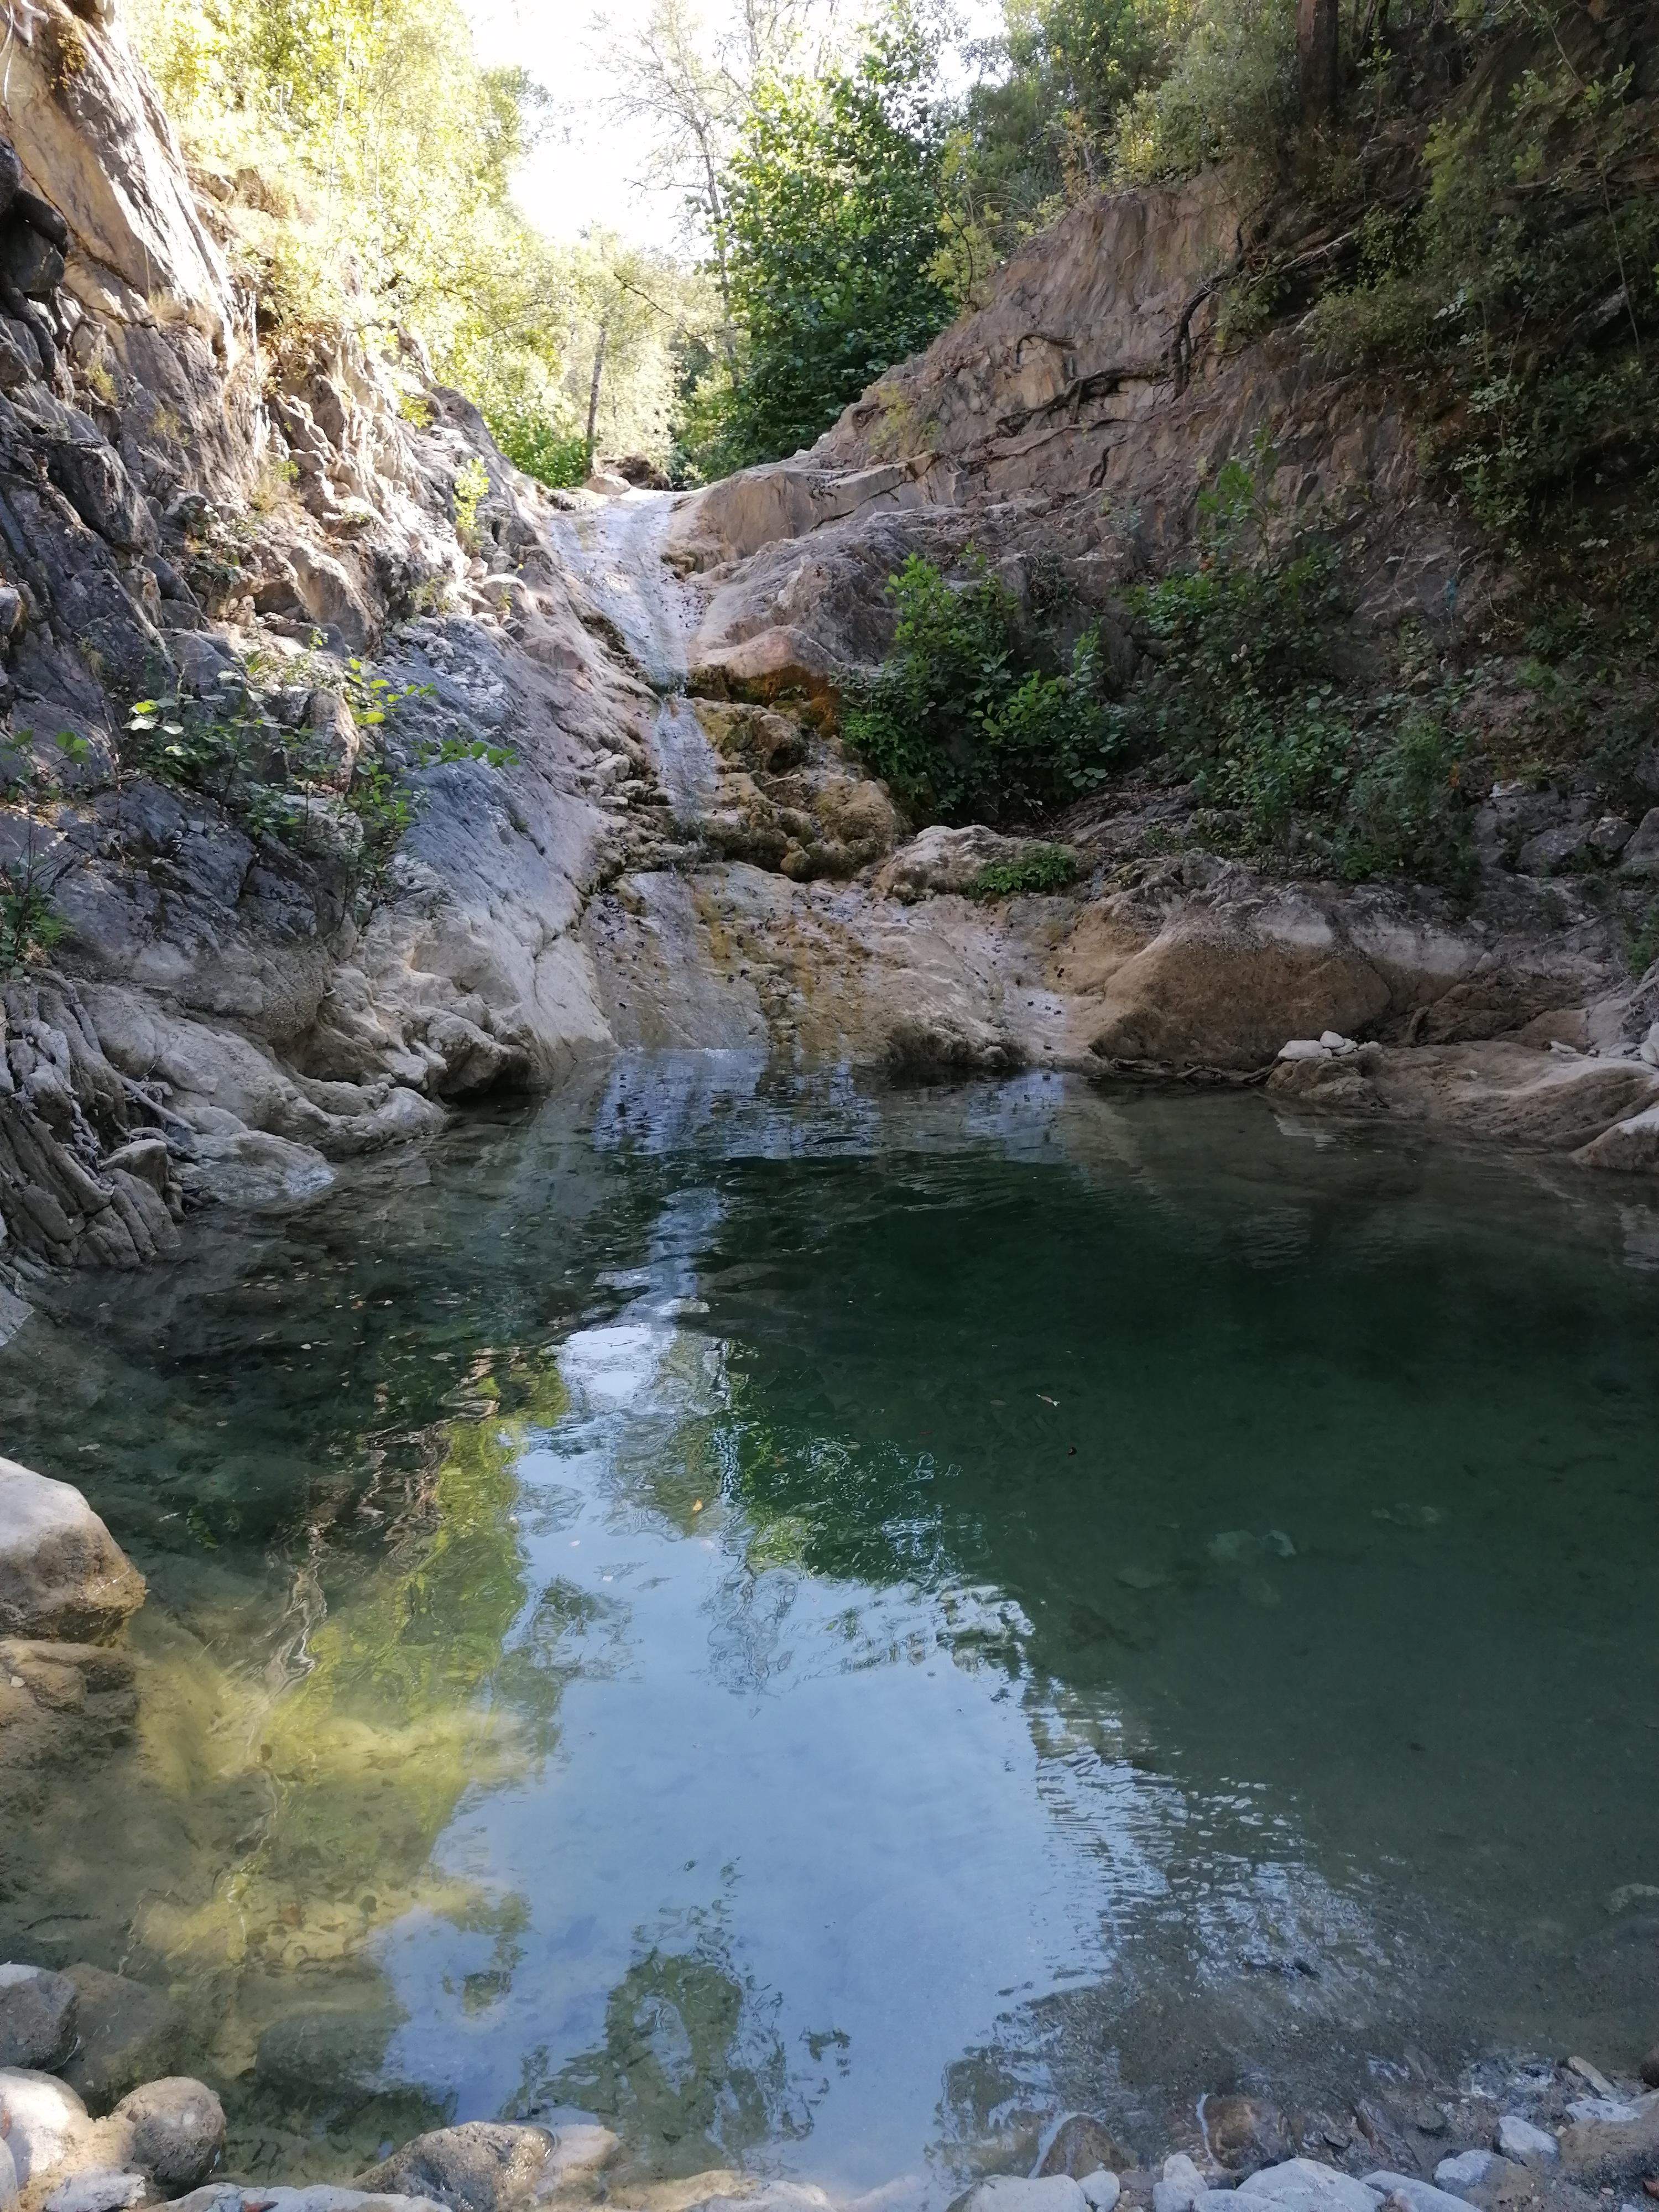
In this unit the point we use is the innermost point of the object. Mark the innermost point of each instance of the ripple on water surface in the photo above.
(820, 1626)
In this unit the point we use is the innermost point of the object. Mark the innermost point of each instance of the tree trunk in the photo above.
(1315, 58)
(593, 388)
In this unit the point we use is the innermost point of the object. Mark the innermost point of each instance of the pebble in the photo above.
(1467, 2171)
(1528, 2146)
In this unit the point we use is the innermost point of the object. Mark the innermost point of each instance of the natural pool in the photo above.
(821, 1627)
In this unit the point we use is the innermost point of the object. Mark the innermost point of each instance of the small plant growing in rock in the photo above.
(471, 486)
(1034, 868)
(29, 881)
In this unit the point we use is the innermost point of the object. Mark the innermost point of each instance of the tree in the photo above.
(834, 206)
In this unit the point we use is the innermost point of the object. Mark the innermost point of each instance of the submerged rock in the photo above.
(485, 2166)
(1244, 2134)
(130, 2034)
(1082, 2146)
(36, 2017)
(62, 1574)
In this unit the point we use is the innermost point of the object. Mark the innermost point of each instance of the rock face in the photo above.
(61, 1574)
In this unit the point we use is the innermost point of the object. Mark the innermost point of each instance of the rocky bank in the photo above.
(628, 820)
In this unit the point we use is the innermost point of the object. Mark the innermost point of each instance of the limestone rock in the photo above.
(1518, 2139)
(129, 2034)
(1468, 2170)
(42, 2120)
(942, 859)
(98, 2189)
(175, 2130)
(62, 1574)
(1007, 2192)
(37, 2008)
(1302, 2184)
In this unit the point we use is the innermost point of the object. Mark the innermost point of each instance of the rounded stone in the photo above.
(36, 2017)
(62, 1574)
(177, 2130)
(1650, 2068)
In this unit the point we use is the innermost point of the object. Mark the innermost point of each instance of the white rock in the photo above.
(1334, 1040)
(1304, 1048)
(1467, 2171)
(42, 2119)
(1528, 2146)
(7, 2178)
(1182, 2187)
(1101, 2188)
(62, 1574)
(100, 2189)
(1613, 2112)
(774, 2196)
(1421, 2195)
(1008, 2193)
(1302, 2184)
(1592, 2075)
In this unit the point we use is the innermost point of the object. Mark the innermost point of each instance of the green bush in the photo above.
(1034, 868)
(534, 443)
(1251, 697)
(963, 721)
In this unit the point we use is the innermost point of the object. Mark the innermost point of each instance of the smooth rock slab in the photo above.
(36, 2017)
(1527, 2145)
(1302, 2184)
(63, 1576)
(1467, 2171)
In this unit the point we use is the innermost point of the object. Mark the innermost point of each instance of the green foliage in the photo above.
(1035, 868)
(28, 923)
(533, 441)
(1229, 94)
(1250, 697)
(831, 236)
(963, 720)
(292, 787)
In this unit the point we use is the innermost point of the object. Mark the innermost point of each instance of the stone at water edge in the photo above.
(63, 1576)
(1242, 2133)
(174, 2131)
(36, 2017)
(99, 2188)
(1649, 2068)
(1101, 2188)
(234, 2196)
(42, 2120)
(7, 2178)
(488, 2166)
(1180, 2186)
(1527, 2145)
(1009, 2192)
(1467, 2171)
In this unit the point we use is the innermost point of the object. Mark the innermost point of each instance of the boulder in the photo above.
(42, 2120)
(1418, 2194)
(1602, 2154)
(1302, 2185)
(485, 2166)
(175, 2130)
(62, 1574)
(129, 2034)
(8, 2179)
(942, 859)
(322, 2196)
(1649, 2068)
(36, 2017)
(329, 596)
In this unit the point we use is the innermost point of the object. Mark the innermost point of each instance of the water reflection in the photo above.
(817, 1627)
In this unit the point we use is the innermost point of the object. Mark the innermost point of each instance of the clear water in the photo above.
(821, 1628)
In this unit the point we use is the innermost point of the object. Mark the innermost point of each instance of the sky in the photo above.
(586, 169)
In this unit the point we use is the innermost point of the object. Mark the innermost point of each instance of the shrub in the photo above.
(532, 441)
(1034, 868)
(963, 720)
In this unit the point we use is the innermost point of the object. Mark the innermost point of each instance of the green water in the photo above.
(822, 1627)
